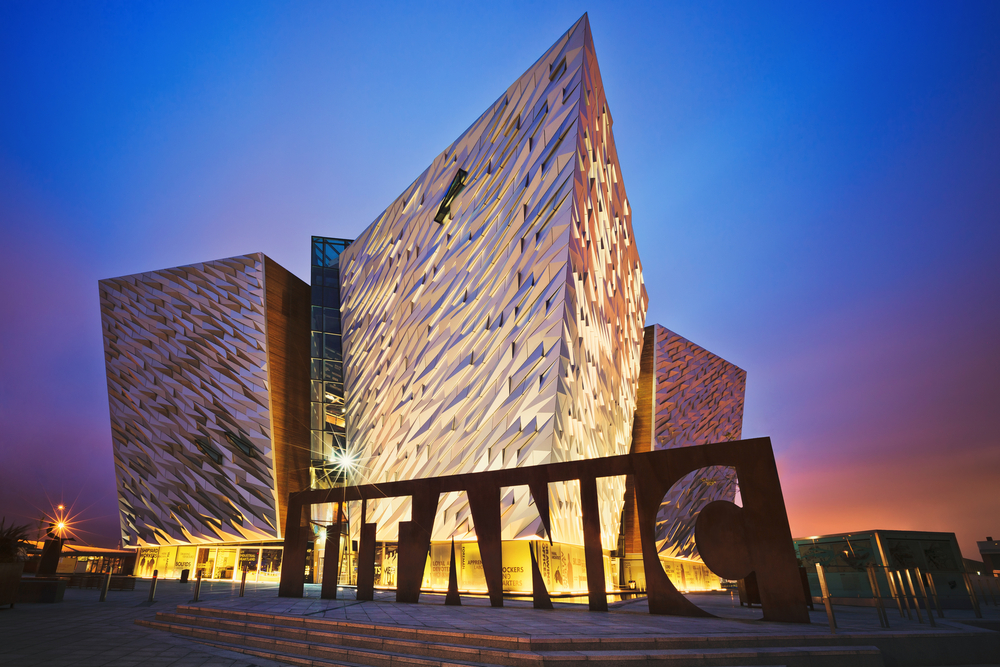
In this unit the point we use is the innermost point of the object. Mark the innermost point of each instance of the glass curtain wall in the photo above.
(328, 433)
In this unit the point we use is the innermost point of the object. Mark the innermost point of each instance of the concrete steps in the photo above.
(298, 640)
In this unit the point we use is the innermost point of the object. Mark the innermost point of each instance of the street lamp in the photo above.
(345, 461)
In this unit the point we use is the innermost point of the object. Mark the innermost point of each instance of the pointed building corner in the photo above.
(511, 257)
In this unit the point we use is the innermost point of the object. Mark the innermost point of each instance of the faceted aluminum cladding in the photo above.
(509, 334)
(698, 399)
(186, 360)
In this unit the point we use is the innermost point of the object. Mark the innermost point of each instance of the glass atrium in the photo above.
(328, 434)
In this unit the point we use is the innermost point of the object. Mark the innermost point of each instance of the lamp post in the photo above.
(59, 525)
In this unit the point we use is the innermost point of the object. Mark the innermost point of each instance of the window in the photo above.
(456, 187)
(208, 450)
(241, 444)
(557, 71)
(326, 367)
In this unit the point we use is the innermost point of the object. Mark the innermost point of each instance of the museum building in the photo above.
(491, 317)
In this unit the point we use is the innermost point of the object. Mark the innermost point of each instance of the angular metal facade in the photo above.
(508, 333)
(697, 397)
(687, 396)
(207, 369)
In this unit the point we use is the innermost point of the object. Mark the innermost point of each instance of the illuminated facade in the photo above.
(490, 318)
(207, 369)
(697, 399)
(493, 312)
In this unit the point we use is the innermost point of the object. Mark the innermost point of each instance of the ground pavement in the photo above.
(83, 632)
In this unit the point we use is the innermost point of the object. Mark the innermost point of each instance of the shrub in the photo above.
(13, 542)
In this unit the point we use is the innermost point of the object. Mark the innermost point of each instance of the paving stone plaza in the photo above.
(126, 631)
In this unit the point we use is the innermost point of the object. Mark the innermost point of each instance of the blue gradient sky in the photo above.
(815, 194)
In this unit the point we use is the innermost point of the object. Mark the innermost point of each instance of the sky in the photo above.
(815, 192)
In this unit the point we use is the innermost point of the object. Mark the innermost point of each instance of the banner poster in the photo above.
(516, 566)
(700, 578)
(146, 562)
(558, 580)
(471, 575)
(674, 573)
(563, 567)
(248, 560)
(389, 556)
(438, 565)
(689, 575)
(165, 562)
(270, 565)
(578, 567)
(185, 559)
(543, 554)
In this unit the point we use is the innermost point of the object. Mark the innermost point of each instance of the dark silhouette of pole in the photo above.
(197, 585)
(105, 586)
(152, 586)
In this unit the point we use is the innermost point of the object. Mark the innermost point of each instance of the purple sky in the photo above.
(815, 195)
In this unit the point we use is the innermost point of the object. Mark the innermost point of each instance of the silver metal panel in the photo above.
(697, 400)
(185, 351)
(509, 333)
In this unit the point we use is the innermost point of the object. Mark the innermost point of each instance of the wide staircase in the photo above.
(299, 640)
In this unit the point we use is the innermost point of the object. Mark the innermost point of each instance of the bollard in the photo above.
(243, 582)
(916, 600)
(826, 598)
(927, 599)
(197, 585)
(152, 586)
(105, 586)
(883, 616)
(972, 595)
(937, 603)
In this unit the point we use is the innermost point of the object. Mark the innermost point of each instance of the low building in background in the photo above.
(83, 559)
(977, 567)
(846, 556)
(990, 553)
(208, 380)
